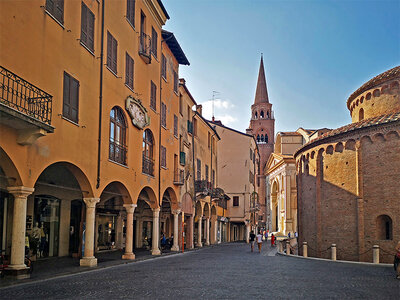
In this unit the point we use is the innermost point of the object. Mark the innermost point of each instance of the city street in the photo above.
(228, 271)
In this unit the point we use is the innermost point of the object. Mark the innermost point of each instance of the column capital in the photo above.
(130, 208)
(156, 211)
(176, 211)
(20, 191)
(91, 202)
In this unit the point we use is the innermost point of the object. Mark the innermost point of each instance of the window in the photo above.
(118, 147)
(384, 228)
(213, 178)
(56, 9)
(262, 138)
(207, 173)
(262, 114)
(87, 27)
(70, 98)
(130, 11)
(361, 115)
(175, 126)
(163, 157)
(163, 67)
(129, 67)
(258, 138)
(153, 93)
(154, 38)
(198, 173)
(251, 154)
(148, 162)
(235, 200)
(112, 52)
(180, 105)
(176, 82)
(266, 138)
(163, 115)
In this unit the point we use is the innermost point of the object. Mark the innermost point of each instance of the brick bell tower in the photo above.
(262, 127)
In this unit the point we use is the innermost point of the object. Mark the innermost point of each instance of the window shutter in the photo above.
(109, 49)
(90, 31)
(127, 69)
(84, 24)
(59, 11)
(114, 61)
(132, 68)
(175, 125)
(50, 6)
(66, 104)
(74, 99)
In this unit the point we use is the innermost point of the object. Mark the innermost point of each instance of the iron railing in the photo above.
(19, 94)
(145, 46)
(148, 165)
(118, 153)
(179, 177)
(202, 186)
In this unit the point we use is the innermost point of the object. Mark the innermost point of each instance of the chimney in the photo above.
(182, 81)
(199, 109)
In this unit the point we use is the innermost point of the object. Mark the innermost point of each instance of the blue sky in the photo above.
(316, 53)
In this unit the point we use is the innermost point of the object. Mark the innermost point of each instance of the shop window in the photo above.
(56, 9)
(384, 228)
(147, 155)
(235, 201)
(118, 145)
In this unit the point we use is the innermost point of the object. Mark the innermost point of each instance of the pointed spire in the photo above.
(261, 91)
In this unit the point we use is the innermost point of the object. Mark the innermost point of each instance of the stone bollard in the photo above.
(305, 254)
(280, 246)
(375, 254)
(287, 247)
(333, 252)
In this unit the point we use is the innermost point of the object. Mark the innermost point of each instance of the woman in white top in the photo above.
(259, 241)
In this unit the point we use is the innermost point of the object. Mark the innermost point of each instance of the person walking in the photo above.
(259, 241)
(397, 261)
(272, 240)
(252, 240)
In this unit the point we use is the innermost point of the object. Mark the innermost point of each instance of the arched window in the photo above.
(118, 148)
(255, 115)
(266, 138)
(258, 138)
(148, 144)
(267, 114)
(262, 114)
(384, 228)
(361, 114)
(262, 138)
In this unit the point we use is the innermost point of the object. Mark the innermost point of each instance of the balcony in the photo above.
(182, 158)
(117, 153)
(145, 47)
(148, 165)
(190, 127)
(24, 107)
(179, 177)
(202, 186)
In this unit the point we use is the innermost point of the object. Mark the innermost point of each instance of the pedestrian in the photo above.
(397, 261)
(259, 241)
(288, 235)
(252, 240)
(272, 240)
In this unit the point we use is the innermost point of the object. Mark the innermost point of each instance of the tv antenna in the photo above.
(215, 93)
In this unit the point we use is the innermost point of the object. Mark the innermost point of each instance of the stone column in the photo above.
(20, 194)
(199, 244)
(175, 246)
(130, 209)
(207, 231)
(156, 232)
(119, 234)
(89, 260)
(220, 232)
(375, 254)
(191, 235)
(247, 233)
(333, 252)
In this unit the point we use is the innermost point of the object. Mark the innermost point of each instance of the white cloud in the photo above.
(221, 107)
(227, 120)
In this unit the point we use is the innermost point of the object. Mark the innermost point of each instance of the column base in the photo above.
(88, 262)
(129, 256)
(199, 245)
(207, 243)
(155, 252)
(17, 272)
(174, 248)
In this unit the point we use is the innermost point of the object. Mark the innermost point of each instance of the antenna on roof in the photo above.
(215, 93)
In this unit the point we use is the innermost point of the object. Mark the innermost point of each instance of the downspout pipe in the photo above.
(100, 94)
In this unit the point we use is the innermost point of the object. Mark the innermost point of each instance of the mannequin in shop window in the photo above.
(43, 241)
(35, 239)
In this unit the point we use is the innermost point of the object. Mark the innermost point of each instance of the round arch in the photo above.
(116, 188)
(11, 173)
(198, 209)
(147, 195)
(170, 195)
(206, 210)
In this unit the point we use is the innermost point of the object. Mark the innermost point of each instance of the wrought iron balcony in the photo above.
(145, 47)
(179, 177)
(203, 186)
(148, 165)
(118, 153)
(22, 96)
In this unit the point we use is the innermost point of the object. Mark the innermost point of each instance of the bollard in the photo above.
(287, 247)
(333, 253)
(375, 254)
(304, 249)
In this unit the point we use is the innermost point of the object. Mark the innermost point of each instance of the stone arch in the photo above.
(365, 139)
(339, 147)
(262, 114)
(378, 137)
(312, 154)
(198, 209)
(376, 93)
(206, 210)
(368, 96)
(362, 99)
(329, 149)
(147, 195)
(392, 135)
(384, 227)
(170, 195)
(9, 169)
(187, 203)
(116, 189)
(262, 138)
(357, 102)
(80, 177)
(361, 114)
(275, 205)
(350, 144)
(255, 115)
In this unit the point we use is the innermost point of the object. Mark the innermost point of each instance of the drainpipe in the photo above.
(100, 94)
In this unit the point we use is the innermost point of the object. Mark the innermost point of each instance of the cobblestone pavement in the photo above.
(228, 271)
